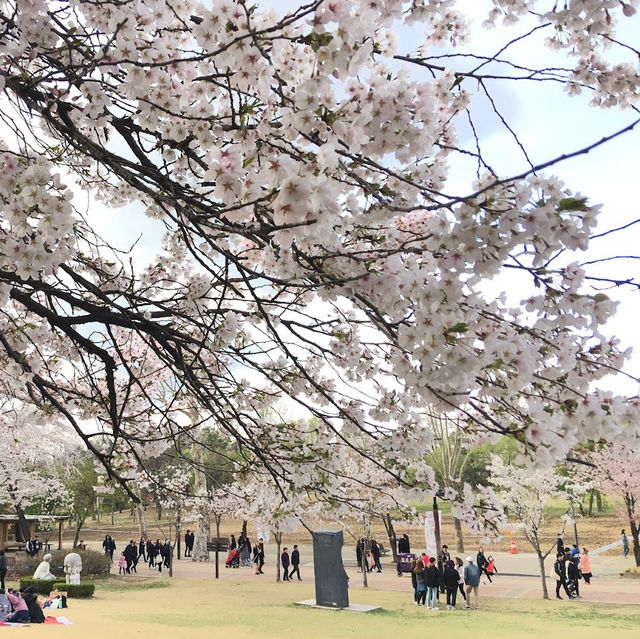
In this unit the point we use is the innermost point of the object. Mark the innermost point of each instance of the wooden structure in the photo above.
(8, 525)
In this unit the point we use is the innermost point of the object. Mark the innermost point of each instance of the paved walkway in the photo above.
(521, 578)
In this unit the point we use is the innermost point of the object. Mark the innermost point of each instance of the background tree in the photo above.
(525, 493)
(615, 474)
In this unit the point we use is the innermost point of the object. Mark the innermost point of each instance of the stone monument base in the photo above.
(311, 603)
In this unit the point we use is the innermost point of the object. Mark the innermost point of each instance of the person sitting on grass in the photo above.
(20, 610)
(33, 605)
(5, 605)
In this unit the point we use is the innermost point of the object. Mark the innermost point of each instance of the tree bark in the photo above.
(203, 521)
(391, 534)
(629, 503)
(278, 537)
(141, 516)
(599, 506)
(457, 525)
(543, 575)
(80, 523)
(591, 496)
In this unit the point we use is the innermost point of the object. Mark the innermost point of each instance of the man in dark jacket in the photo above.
(295, 562)
(432, 582)
(561, 577)
(403, 544)
(451, 578)
(284, 560)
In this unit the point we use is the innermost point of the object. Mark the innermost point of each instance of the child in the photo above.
(491, 568)
(122, 564)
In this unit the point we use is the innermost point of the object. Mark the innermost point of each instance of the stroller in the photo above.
(233, 559)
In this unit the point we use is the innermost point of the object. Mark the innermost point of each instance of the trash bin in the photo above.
(404, 562)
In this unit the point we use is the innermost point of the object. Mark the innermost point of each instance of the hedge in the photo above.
(78, 591)
(42, 586)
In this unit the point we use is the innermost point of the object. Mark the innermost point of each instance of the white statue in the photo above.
(73, 567)
(43, 571)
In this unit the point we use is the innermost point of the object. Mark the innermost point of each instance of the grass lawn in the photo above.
(197, 609)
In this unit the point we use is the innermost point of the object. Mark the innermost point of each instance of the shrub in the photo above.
(93, 564)
(80, 590)
(83, 589)
(42, 586)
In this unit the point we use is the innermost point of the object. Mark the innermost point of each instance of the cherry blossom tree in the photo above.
(615, 473)
(317, 245)
(31, 451)
(525, 493)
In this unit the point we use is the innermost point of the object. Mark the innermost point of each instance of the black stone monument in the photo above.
(331, 578)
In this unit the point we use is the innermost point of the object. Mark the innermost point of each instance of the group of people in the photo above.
(570, 567)
(292, 563)
(20, 606)
(427, 579)
(156, 554)
(368, 553)
(33, 546)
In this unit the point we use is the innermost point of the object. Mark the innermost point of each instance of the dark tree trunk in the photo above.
(591, 497)
(391, 534)
(599, 506)
(278, 537)
(80, 524)
(457, 525)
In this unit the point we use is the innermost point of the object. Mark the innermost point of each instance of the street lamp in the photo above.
(575, 526)
(436, 523)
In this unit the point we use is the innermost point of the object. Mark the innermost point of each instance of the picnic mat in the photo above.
(59, 621)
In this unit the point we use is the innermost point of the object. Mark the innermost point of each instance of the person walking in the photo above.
(573, 578)
(284, 560)
(625, 544)
(472, 581)
(142, 550)
(375, 555)
(122, 564)
(585, 566)
(559, 544)
(151, 553)
(258, 556)
(295, 563)
(490, 568)
(559, 567)
(481, 562)
(187, 544)
(451, 578)
(460, 568)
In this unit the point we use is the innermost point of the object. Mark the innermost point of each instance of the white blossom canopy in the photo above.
(314, 249)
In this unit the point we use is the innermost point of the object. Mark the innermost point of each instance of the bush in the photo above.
(81, 590)
(42, 586)
(93, 564)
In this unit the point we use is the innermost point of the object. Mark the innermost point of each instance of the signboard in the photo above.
(430, 533)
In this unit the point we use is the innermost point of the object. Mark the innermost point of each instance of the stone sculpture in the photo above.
(73, 567)
(43, 571)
